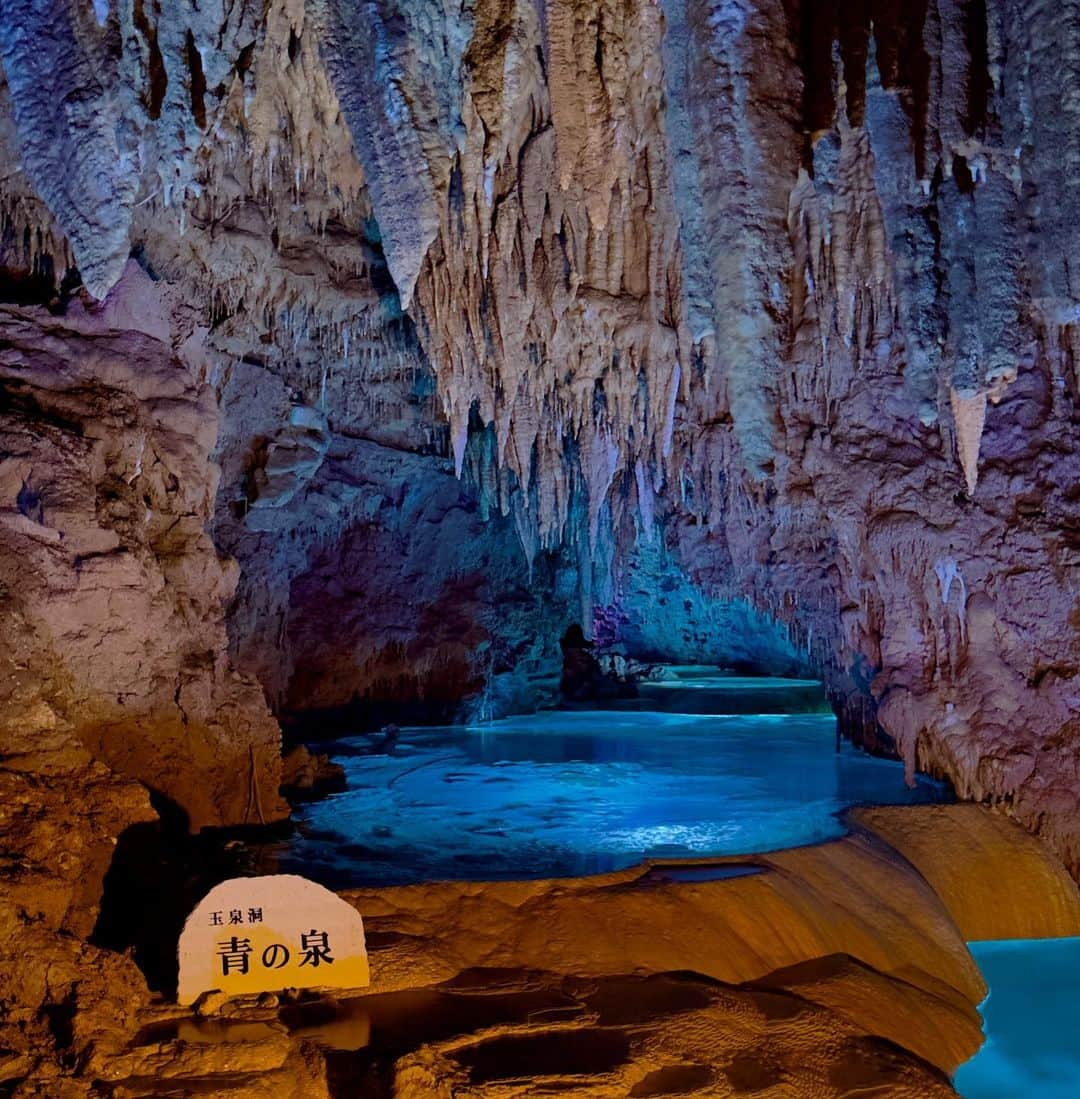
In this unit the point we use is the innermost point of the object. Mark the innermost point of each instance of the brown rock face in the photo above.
(850, 927)
(818, 970)
(60, 825)
(113, 597)
(965, 854)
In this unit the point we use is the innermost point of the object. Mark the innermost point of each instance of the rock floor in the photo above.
(837, 969)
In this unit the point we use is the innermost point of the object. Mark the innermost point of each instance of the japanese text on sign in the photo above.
(264, 934)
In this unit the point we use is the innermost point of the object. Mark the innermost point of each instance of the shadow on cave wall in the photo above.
(421, 629)
(429, 620)
(423, 674)
(158, 873)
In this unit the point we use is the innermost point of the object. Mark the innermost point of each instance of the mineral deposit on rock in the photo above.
(351, 353)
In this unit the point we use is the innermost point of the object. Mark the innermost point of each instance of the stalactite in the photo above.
(969, 415)
(703, 275)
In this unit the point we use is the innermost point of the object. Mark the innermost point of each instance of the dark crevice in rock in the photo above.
(979, 86)
(196, 82)
(570, 1053)
(157, 875)
(897, 27)
(159, 77)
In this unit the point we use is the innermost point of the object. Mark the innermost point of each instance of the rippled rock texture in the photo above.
(783, 289)
(818, 971)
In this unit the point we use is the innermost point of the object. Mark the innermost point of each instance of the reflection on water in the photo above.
(1030, 1019)
(567, 793)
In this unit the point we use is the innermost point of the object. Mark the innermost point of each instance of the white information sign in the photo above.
(251, 935)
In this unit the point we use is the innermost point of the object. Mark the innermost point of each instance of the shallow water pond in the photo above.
(690, 689)
(1032, 1021)
(567, 793)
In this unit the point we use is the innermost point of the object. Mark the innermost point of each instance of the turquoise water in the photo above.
(1031, 1019)
(694, 689)
(567, 793)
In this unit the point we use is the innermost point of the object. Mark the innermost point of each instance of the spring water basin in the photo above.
(566, 793)
(1031, 1021)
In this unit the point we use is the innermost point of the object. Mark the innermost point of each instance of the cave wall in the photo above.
(113, 596)
(657, 613)
(385, 589)
(783, 287)
(918, 523)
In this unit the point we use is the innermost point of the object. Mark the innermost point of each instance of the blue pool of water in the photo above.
(567, 793)
(1031, 1019)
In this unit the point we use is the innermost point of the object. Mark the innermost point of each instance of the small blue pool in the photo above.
(1032, 1022)
(567, 793)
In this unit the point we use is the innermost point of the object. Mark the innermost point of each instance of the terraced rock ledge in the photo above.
(829, 970)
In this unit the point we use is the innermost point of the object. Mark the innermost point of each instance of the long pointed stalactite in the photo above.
(371, 358)
(680, 263)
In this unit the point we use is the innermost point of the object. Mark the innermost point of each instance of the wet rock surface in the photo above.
(305, 775)
(830, 968)
(350, 354)
(1044, 903)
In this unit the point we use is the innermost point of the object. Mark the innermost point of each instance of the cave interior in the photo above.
(595, 484)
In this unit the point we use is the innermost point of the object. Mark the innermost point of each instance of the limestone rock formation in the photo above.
(60, 825)
(785, 296)
(821, 970)
(965, 854)
(73, 139)
(114, 598)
